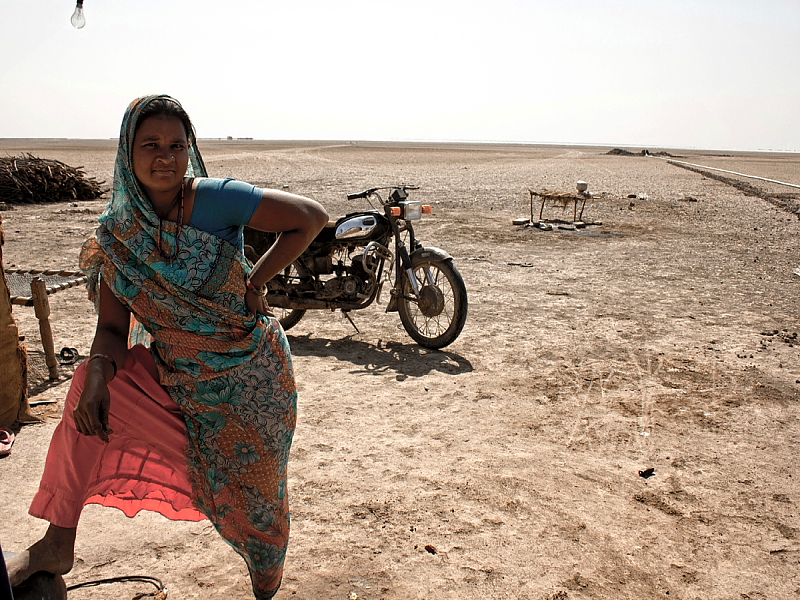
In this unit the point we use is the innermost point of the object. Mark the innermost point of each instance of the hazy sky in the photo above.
(717, 74)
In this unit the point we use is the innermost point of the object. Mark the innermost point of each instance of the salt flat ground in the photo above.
(664, 338)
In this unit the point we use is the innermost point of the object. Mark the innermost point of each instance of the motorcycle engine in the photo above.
(347, 286)
(339, 287)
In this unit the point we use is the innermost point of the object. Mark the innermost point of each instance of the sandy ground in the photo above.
(664, 338)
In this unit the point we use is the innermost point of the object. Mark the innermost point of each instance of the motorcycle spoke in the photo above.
(289, 317)
(434, 325)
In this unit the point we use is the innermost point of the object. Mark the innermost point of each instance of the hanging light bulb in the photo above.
(77, 19)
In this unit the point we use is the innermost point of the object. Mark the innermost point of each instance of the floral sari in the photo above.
(228, 370)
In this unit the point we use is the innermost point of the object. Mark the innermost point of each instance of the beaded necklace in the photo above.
(177, 231)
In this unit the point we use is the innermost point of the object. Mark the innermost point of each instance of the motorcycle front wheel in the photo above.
(436, 317)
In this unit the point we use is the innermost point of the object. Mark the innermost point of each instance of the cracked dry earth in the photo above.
(619, 418)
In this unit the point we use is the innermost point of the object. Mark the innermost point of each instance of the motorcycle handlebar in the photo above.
(366, 193)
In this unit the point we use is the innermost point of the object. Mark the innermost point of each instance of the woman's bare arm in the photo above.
(110, 340)
(296, 218)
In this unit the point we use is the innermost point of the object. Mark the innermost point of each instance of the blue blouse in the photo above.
(222, 207)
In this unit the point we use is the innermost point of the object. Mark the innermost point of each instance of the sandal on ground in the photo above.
(67, 356)
(6, 441)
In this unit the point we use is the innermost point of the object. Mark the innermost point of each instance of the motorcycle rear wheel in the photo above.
(436, 319)
(289, 317)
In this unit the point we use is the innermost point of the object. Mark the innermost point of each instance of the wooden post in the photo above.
(41, 308)
(13, 357)
(531, 193)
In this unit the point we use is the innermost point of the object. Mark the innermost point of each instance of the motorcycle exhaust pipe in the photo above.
(297, 303)
(277, 301)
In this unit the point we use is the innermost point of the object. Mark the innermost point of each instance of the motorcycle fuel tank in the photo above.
(357, 226)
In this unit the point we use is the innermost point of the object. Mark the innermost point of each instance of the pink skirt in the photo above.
(142, 467)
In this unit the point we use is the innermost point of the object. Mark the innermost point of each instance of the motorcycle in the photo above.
(352, 258)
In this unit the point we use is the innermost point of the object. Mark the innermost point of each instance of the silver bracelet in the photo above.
(258, 291)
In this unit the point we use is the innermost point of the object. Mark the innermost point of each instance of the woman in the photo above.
(200, 424)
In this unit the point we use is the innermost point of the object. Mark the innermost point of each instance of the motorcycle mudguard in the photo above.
(430, 253)
(425, 253)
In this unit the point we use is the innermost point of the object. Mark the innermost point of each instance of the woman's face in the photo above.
(160, 154)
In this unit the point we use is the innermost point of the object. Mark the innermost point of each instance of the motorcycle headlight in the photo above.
(412, 210)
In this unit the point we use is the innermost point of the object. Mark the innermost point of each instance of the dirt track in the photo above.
(665, 339)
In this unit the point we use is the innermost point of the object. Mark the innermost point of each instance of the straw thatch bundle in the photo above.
(28, 179)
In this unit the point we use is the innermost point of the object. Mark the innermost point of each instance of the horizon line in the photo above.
(434, 141)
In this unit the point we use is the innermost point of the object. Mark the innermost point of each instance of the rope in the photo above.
(679, 162)
(19, 281)
(159, 594)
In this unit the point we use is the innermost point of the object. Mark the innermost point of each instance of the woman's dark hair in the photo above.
(166, 107)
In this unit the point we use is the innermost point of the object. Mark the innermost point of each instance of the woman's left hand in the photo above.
(257, 304)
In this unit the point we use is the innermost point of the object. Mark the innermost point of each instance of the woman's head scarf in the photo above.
(184, 285)
(128, 200)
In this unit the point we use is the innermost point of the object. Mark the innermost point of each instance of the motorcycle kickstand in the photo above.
(346, 313)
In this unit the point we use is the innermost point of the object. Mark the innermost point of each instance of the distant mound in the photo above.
(621, 152)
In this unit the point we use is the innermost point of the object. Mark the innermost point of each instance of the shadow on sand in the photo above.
(407, 360)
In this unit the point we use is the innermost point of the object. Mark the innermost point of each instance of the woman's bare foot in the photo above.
(54, 553)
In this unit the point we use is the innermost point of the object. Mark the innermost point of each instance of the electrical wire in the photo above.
(159, 594)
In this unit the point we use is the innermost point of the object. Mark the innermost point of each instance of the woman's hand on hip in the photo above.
(257, 304)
